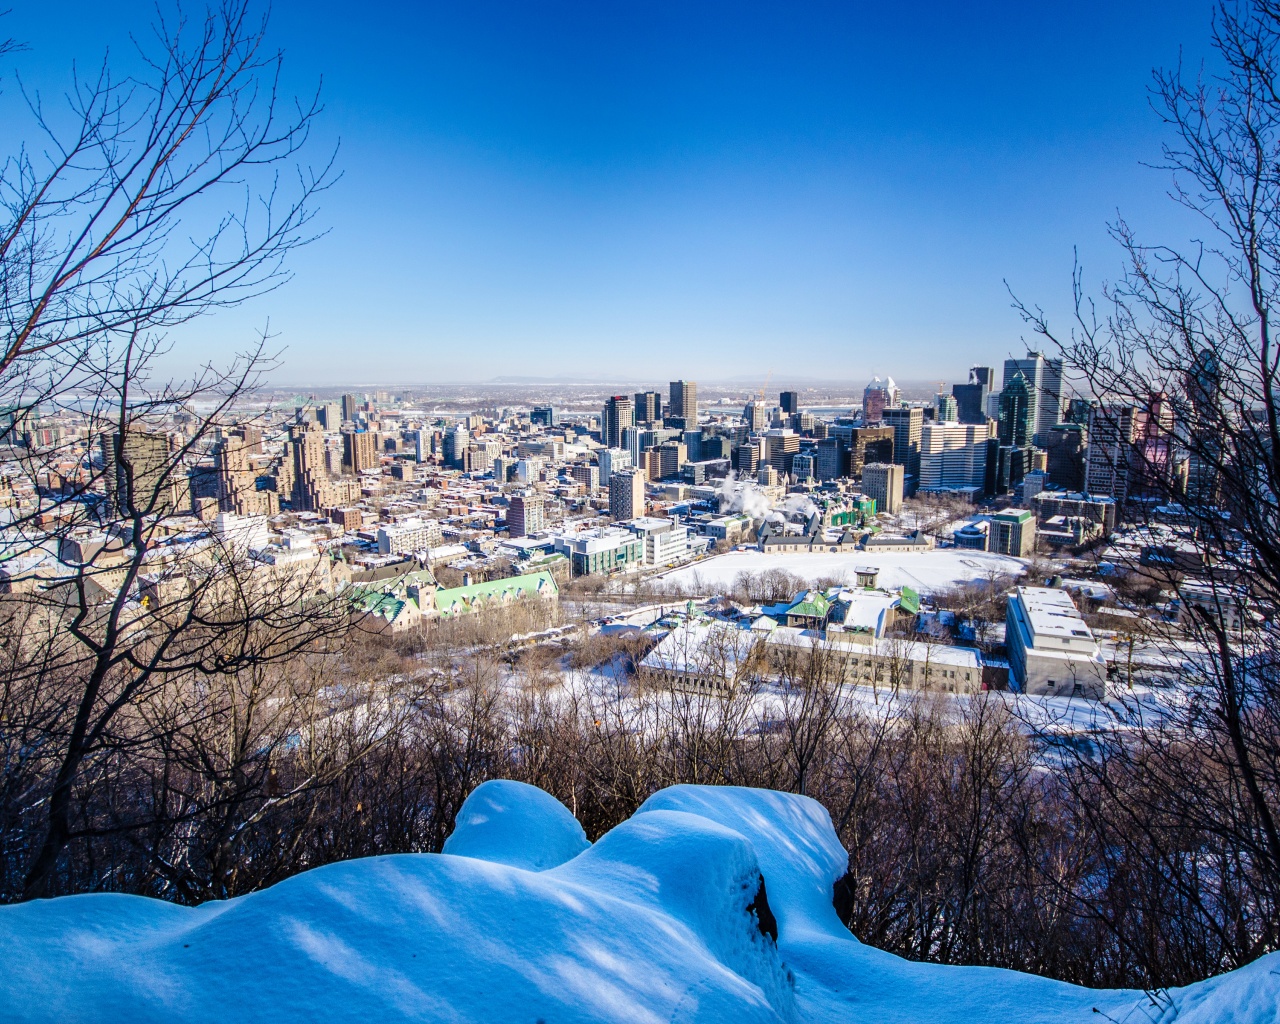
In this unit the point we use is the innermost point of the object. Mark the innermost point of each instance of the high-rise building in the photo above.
(781, 446)
(953, 456)
(831, 458)
(684, 401)
(359, 451)
(866, 444)
(349, 406)
(456, 440)
(789, 401)
(610, 461)
(692, 440)
(983, 375)
(618, 415)
(756, 415)
(1013, 532)
(141, 475)
(544, 415)
(876, 397)
(883, 481)
(648, 407)
(804, 467)
(626, 494)
(907, 423)
(673, 456)
(587, 475)
(525, 515)
(330, 415)
(1113, 429)
(1017, 412)
(309, 473)
(1065, 447)
(947, 410)
(1044, 385)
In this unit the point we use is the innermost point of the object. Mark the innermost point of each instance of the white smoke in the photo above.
(745, 497)
(800, 504)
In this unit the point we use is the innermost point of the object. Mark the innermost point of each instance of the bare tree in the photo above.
(1180, 359)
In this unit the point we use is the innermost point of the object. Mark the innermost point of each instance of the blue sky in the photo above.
(661, 189)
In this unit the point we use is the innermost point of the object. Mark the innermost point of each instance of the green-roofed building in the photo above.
(810, 611)
(456, 601)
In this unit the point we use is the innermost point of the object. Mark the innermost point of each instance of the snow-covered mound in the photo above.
(710, 904)
(518, 825)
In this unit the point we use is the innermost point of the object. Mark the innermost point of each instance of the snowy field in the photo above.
(711, 904)
(926, 572)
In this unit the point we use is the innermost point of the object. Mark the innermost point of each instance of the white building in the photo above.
(408, 536)
(953, 455)
(1052, 651)
(665, 543)
(612, 460)
(242, 533)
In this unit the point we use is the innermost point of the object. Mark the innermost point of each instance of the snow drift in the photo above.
(709, 904)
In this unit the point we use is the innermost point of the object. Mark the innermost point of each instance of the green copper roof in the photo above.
(461, 600)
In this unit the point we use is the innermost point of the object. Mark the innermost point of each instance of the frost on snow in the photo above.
(709, 904)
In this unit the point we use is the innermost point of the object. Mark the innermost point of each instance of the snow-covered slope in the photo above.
(664, 919)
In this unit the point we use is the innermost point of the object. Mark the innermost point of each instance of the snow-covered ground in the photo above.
(664, 919)
(925, 572)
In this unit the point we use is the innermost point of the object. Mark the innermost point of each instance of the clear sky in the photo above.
(660, 189)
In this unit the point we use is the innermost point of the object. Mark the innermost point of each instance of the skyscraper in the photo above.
(626, 494)
(618, 415)
(908, 424)
(648, 406)
(349, 403)
(525, 515)
(1017, 412)
(359, 451)
(971, 398)
(790, 402)
(684, 401)
(1044, 383)
(876, 397)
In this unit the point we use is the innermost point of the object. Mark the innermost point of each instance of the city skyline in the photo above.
(537, 192)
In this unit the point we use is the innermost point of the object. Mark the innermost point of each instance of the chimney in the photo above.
(466, 579)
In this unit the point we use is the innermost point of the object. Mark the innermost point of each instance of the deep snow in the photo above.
(522, 920)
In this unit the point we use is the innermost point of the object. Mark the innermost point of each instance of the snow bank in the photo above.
(663, 919)
(518, 825)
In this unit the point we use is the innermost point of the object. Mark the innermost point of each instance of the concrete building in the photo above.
(648, 407)
(883, 481)
(953, 455)
(1051, 650)
(525, 515)
(1113, 431)
(360, 451)
(599, 552)
(610, 461)
(665, 542)
(1044, 389)
(789, 402)
(1013, 532)
(684, 402)
(626, 494)
(1065, 448)
(409, 536)
(618, 415)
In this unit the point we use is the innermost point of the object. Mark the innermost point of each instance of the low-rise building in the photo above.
(602, 551)
(1051, 650)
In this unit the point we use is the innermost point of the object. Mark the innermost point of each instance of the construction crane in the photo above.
(765, 386)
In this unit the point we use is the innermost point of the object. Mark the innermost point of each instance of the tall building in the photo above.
(309, 473)
(1044, 384)
(1013, 532)
(349, 406)
(684, 401)
(876, 397)
(610, 461)
(789, 401)
(908, 424)
(626, 494)
(525, 515)
(866, 444)
(883, 481)
(359, 451)
(648, 407)
(1113, 429)
(673, 456)
(1065, 447)
(456, 440)
(329, 415)
(953, 456)
(544, 415)
(947, 409)
(141, 476)
(1017, 412)
(618, 415)
(756, 415)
